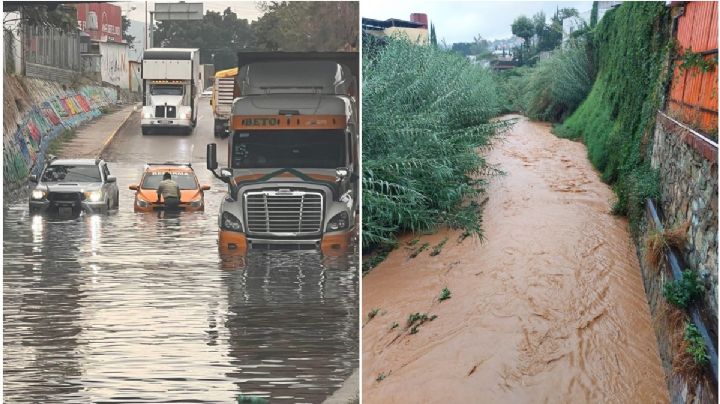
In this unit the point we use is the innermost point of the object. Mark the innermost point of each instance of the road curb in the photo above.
(115, 132)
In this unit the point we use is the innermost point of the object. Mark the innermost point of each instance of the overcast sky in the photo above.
(460, 21)
(244, 9)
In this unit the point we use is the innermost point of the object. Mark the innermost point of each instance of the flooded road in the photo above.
(137, 308)
(549, 308)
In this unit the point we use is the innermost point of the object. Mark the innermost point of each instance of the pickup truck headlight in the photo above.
(147, 115)
(38, 194)
(93, 196)
(230, 222)
(338, 222)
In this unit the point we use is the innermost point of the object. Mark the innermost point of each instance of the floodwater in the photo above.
(550, 308)
(136, 308)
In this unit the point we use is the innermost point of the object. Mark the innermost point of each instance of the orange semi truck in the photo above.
(292, 165)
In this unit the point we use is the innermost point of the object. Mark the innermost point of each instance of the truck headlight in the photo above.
(338, 222)
(93, 196)
(147, 115)
(141, 202)
(230, 222)
(38, 194)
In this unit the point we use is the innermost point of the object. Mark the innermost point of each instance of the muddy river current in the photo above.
(549, 308)
(139, 308)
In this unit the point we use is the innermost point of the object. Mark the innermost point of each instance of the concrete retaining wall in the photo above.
(35, 112)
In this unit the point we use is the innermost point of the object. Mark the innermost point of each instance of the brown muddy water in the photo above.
(135, 308)
(550, 308)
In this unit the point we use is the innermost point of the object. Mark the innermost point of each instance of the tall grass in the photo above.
(555, 87)
(425, 112)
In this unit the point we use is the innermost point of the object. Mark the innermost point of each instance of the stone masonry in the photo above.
(689, 194)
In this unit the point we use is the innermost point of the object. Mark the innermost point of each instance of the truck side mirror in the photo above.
(33, 178)
(211, 156)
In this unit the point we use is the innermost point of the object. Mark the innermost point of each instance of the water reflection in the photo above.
(133, 307)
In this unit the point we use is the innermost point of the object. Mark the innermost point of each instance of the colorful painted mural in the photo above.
(26, 140)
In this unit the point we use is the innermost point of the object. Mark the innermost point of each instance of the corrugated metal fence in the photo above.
(693, 93)
(51, 47)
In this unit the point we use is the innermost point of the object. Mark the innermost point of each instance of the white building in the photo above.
(573, 24)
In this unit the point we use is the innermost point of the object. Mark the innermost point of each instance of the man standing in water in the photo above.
(169, 192)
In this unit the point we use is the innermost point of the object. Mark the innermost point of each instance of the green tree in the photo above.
(126, 36)
(218, 36)
(523, 27)
(433, 38)
(308, 26)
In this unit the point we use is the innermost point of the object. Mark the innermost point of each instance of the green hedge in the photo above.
(617, 118)
(425, 111)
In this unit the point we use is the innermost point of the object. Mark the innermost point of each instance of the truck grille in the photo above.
(65, 196)
(165, 111)
(284, 213)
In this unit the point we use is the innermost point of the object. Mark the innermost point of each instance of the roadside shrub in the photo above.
(681, 292)
(617, 118)
(554, 88)
(426, 111)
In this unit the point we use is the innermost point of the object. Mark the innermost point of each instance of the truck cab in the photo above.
(292, 163)
(171, 87)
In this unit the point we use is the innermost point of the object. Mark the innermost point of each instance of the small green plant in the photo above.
(415, 320)
(692, 59)
(394, 325)
(373, 313)
(696, 345)
(681, 292)
(413, 242)
(436, 250)
(417, 251)
(380, 377)
(444, 294)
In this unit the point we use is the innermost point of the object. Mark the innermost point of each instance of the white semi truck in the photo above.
(171, 87)
(292, 163)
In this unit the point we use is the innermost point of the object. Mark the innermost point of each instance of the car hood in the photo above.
(70, 186)
(186, 195)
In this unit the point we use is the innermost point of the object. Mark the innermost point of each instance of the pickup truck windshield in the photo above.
(289, 149)
(164, 89)
(65, 173)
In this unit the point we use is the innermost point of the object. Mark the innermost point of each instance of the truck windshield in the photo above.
(165, 89)
(289, 149)
(66, 173)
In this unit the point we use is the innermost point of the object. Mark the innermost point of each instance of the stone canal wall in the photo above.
(687, 163)
(37, 111)
(687, 166)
